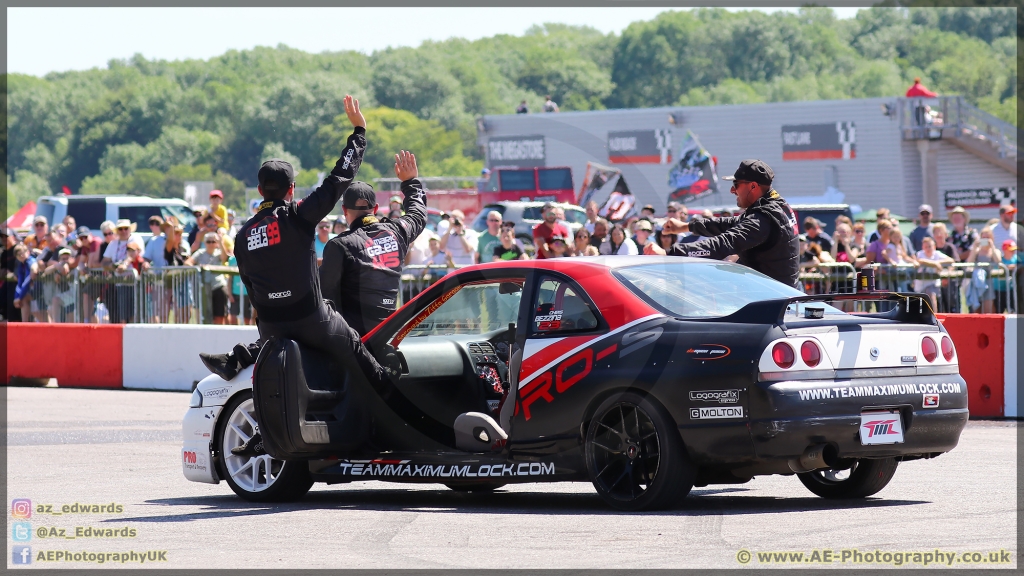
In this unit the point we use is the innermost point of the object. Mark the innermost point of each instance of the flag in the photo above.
(67, 190)
(596, 177)
(693, 176)
(621, 203)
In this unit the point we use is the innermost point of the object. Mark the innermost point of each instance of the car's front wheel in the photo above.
(255, 478)
(862, 479)
(634, 455)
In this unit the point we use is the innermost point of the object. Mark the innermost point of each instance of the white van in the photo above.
(92, 210)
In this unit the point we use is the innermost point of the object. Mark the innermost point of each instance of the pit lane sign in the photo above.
(979, 197)
(516, 152)
(837, 140)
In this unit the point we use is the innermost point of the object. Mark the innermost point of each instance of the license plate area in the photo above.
(881, 427)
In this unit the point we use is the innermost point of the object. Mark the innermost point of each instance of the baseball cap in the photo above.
(1009, 245)
(39, 219)
(753, 170)
(649, 207)
(643, 224)
(802, 237)
(275, 174)
(82, 231)
(67, 251)
(557, 237)
(1007, 209)
(925, 208)
(216, 193)
(359, 191)
(395, 199)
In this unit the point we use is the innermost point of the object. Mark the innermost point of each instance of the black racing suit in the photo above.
(277, 264)
(764, 236)
(362, 266)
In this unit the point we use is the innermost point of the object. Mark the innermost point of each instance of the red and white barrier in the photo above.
(140, 356)
(166, 356)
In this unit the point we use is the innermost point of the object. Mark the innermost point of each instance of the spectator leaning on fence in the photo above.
(41, 231)
(153, 254)
(815, 235)
(87, 249)
(930, 260)
(878, 250)
(980, 292)
(213, 255)
(117, 249)
(582, 241)
(941, 236)
(154, 227)
(1001, 284)
(25, 273)
(175, 251)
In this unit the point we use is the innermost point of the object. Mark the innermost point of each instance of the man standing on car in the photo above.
(277, 264)
(362, 266)
(763, 236)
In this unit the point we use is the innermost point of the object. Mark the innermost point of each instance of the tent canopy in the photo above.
(22, 219)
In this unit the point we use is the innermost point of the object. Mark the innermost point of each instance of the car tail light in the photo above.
(947, 348)
(810, 353)
(928, 349)
(782, 354)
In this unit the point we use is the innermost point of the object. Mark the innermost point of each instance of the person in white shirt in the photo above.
(617, 243)
(1007, 228)
(929, 257)
(117, 250)
(460, 243)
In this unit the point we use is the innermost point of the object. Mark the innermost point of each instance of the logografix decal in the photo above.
(716, 413)
(720, 396)
(709, 351)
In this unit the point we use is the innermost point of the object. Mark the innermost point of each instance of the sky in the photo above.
(44, 40)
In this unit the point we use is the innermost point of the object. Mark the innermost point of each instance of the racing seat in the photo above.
(305, 403)
(478, 432)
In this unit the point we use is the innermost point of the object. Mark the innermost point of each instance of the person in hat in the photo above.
(88, 247)
(558, 245)
(815, 235)
(362, 266)
(395, 203)
(117, 249)
(924, 227)
(763, 236)
(277, 266)
(642, 231)
(1006, 229)
(40, 234)
(961, 235)
(218, 209)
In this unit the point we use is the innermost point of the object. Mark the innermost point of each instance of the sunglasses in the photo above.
(324, 227)
(211, 241)
(492, 220)
(40, 224)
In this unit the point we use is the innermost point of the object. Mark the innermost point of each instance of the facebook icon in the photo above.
(21, 555)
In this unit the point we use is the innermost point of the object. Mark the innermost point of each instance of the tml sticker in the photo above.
(716, 413)
(930, 401)
(881, 427)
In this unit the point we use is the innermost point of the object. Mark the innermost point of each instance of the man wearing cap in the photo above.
(117, 249)
(924, 227)
(1006, 229)
(40, 233)
(764, 236)
(88, 248)
(362, 266)
(277, 266)
(815, 235)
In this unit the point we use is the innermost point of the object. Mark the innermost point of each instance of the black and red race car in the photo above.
(646, 375)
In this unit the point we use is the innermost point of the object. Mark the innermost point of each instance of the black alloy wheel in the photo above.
(634, 455)
(864, 478)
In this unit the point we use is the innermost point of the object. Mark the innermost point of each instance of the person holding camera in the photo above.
(459, 242)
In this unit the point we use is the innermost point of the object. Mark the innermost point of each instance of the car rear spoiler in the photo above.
(912, 308)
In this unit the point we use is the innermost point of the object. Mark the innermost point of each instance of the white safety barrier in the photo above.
(166, 356)
(1011, 386)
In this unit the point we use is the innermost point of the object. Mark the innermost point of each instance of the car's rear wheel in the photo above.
(634, 455)
(476, 487)
(862, 479)
(255, 478)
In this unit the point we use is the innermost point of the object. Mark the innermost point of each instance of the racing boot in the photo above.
(246, 355)
(253, 447)
(223, 365)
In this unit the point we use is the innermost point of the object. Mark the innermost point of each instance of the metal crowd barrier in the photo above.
(418, 277)
(951, 293)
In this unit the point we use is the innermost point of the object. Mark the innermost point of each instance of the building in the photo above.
(894, 152)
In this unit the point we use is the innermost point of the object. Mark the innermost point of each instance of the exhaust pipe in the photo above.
(815, 457)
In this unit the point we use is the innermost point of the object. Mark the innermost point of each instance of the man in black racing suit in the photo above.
(764, 236)
(362, 266)
(277, 265)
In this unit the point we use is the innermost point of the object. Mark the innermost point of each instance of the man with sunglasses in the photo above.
(491, 238)
(764, 236)
(41, 234)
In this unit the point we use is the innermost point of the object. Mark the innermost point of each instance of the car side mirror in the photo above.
(509, 288)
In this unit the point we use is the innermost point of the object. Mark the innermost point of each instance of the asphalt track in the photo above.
(122, 447)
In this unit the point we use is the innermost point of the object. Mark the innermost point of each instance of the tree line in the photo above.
(145, 126)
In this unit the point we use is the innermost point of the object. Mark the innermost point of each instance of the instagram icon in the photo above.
(21, 508)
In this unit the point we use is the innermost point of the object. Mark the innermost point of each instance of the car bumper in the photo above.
(196, 452)
(797, 415)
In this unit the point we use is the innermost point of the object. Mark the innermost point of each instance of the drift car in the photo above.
(645, 375)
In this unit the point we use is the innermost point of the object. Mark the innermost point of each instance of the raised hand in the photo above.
(355, 116)
(405, 165)
(675, 226)
(652, 249)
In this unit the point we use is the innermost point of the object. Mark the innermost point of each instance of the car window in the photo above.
(139, 214)
(184, 216)
(473, 309)
(703, 290)
(516, 180)
(575, 216)
(533, 213)
(89, 212)
(559, 308)
(555, 179)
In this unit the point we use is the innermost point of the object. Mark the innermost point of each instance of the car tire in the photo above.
(863, 479)
(634, 455)
(256, 478)
(477, 487)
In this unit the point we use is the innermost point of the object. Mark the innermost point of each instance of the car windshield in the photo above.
(705, 289)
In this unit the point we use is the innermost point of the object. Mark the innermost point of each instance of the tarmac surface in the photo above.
(103, 447)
